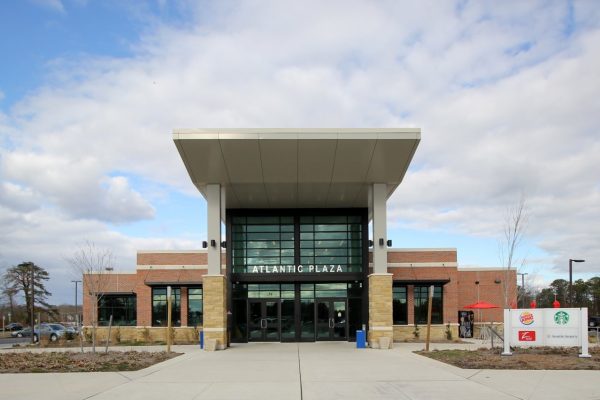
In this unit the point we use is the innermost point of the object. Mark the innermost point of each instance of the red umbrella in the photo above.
(481, 305)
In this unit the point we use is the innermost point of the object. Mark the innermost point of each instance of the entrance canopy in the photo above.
(297, 168)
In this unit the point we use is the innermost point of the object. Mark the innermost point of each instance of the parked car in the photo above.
(69, 333)
(52, 331)
(13, 326)
(25, 332)
(594, 321)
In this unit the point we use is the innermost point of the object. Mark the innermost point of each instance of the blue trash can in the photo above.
(201, 339)
(361, 341)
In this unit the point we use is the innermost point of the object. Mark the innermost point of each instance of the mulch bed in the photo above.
(80, 362)
(554, 358)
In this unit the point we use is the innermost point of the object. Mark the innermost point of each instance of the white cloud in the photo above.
(504, 92)
(76, 185)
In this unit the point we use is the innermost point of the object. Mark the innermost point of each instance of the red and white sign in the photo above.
(526, 336)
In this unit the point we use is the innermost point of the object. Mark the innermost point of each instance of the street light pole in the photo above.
(31, 288)
(523, 286)
(571, 261)
(76, 308)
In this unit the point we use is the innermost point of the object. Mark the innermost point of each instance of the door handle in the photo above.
(265, 323)
(331, 323)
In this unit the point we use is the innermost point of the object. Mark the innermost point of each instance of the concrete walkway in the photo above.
(275, 371)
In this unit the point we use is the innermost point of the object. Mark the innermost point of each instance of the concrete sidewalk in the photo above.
(331, 370)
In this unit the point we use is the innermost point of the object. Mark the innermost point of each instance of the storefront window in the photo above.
(331, 240)
(261, 241)
(400, 305)
(122, 307)
(194, 306)
(281, 244)
(159, 306)
(421, 297)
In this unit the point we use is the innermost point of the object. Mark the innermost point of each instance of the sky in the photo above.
(506, 95)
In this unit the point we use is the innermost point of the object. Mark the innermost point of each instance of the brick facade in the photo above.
(405, 266)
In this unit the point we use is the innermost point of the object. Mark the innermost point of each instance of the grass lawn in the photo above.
(80, 362)
(522, 358)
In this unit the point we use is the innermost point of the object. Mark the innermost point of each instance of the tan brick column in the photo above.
(380, 308)
(215, 309)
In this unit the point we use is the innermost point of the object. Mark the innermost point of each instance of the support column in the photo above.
(380, 309)
(377, 205)
(214, 290)
(214, 284)
(380, 282)
(215, 213)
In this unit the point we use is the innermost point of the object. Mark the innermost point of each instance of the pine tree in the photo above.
(19, 278)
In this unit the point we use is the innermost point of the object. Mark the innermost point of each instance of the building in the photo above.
(297, 246)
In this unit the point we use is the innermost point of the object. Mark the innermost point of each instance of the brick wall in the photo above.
(449, 291)
(199, 257)
(491, 289)
(107, 282)
(138, 284)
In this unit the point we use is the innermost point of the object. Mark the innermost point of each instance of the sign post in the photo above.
(584, 334)
(168, 319)
(429, 301)
(507, 332)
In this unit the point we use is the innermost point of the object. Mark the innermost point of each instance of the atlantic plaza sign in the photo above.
(295, 269)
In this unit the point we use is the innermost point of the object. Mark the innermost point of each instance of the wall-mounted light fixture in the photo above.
(497, 281)
(370, 243)
(381, 241)
(213, 243)
(224, 244)
(389, 243)
(204, 244)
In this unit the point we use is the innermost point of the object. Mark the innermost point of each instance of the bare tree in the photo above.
(8, 291)
(93, 265)
(508, 245)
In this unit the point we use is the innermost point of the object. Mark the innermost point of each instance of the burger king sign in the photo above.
(526, 318)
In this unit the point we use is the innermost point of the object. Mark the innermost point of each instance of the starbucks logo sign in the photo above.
(561, 318)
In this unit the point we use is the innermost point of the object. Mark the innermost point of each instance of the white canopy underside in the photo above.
(296, 168)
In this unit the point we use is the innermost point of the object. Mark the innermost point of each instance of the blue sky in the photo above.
(505, 94)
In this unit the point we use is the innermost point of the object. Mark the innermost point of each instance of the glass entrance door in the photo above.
(263, 320)
(331, 319)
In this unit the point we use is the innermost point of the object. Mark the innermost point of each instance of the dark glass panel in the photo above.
(331, 243)
(330, 228)
(307, 319)
(331, 260)
(288, 325)
(122, 308)
(262, 236)
(272, 320)
(323, 315)
(354, 316)
(240, 322)
(195, 311)
(262, 228)
(263, 220)
(331, 252)
(159, 307)
(400, 311)
(330, 235)
(339, 319)
(307, 260)
(331, 286)
(341, 219)
(421, 300)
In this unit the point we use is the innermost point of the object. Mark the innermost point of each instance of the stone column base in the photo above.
(214, 291)
(380, 309)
